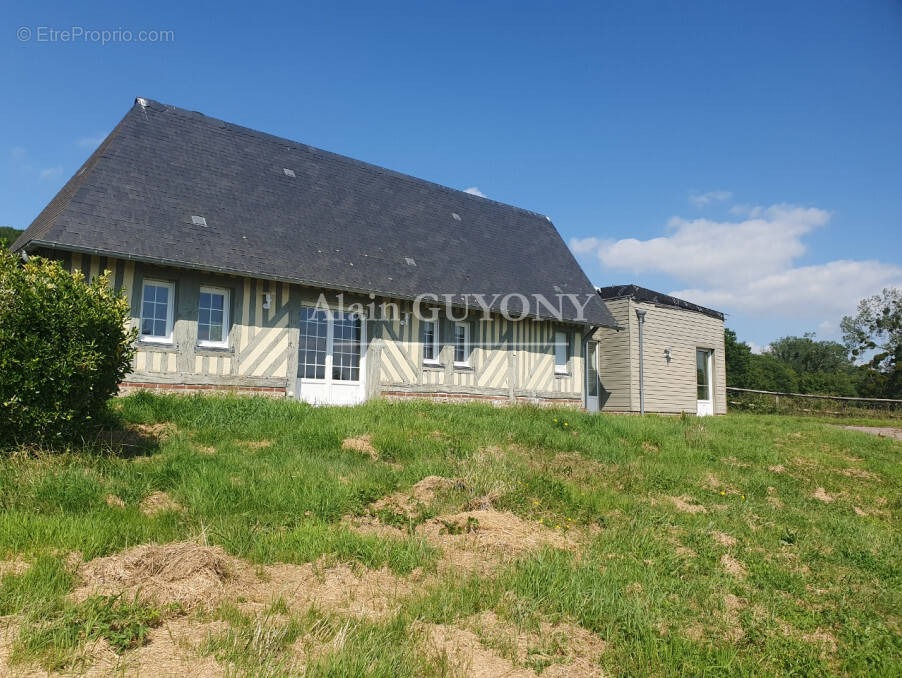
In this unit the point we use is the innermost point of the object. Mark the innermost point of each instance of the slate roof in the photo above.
(338, 223)
(650, 296)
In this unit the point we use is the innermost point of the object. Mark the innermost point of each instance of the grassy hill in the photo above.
(271, 538)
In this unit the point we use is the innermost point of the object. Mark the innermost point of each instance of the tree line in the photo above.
(866, 364)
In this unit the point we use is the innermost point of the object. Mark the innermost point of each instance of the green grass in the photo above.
(649, 580)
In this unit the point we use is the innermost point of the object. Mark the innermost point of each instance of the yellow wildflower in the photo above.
(566, 424)
(723, 494)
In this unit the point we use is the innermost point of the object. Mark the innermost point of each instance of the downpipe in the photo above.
(641, 315)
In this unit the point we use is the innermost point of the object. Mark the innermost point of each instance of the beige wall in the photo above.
(507, 359)
(670, 387)
(513, 360)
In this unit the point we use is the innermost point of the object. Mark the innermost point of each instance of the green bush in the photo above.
(64, 348)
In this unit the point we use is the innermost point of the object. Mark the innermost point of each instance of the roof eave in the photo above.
(223, 270)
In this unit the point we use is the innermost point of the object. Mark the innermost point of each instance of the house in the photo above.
(257, 264)
(682, 366)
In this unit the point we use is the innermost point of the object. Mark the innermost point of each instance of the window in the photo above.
(312, 344)
(213, 317)
(561, 351)
(156, 311)
(346, 347)
(461, 345)
(430, 342)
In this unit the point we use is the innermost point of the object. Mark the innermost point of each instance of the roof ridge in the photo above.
(235, 127)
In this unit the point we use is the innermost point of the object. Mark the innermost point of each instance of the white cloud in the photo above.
(704, 199)
(747, 265)
(712, 252)
(757, 348)
(474, 190)
(49, 173)
(89, 142)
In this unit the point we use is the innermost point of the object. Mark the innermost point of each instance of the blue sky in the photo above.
(747, 157)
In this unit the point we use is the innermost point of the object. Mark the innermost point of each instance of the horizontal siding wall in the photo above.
(671, 386)
(614, 360)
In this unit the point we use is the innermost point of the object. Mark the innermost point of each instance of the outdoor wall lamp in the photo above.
(267, 298)
(667, 354)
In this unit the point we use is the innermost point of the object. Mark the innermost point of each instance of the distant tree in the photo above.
(8, 236)
(738, 356)
(767, 373)
(806, 354)
(876, 330)
(822, 366)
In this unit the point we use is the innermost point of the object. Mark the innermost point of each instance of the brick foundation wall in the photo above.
(127, 387)
(496, 400)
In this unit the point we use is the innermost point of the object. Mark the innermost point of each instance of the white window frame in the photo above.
(562, 368)
(170, 306)
(436, 345)
(466, 329)
(206, 343)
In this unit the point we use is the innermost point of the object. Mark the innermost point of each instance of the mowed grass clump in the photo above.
(755, 545)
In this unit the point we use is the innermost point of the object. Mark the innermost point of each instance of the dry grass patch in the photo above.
(733, 566)
(686, 504)
(114, 502)
(182, 573)
(157, 502)
(362, 444)
(723, 539)
(485, 646)
(821, 494)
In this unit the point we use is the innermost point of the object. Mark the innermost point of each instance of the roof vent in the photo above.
(288, 172)
(455, 216)
(141, 101)
(410, 261)
(198, 221)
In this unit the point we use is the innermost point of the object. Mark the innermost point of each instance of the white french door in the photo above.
(331, 357)
(703, 381)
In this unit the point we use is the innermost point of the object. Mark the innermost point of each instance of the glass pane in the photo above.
(203, 316)
(147, 309)
(147, 327)
(216, 316)
(162, 294)
(204, 301)
(216, 301)
(701, 371)
(592, 370)
(215, 332)
(149, 293)
(203, 332)
(159, 328)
